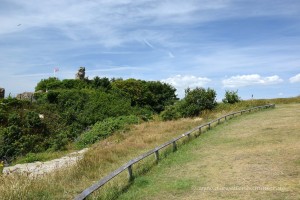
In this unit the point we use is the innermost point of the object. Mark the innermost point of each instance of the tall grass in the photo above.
(106, 156)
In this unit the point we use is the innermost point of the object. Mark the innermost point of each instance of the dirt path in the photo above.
(255, 156)
(40, 168)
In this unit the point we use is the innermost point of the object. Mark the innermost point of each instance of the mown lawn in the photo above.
(256, 156)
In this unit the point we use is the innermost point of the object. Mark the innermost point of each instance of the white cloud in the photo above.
(252, 79)
(295, 79)
(181, 82)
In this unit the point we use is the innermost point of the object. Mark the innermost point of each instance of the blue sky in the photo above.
(252, 46)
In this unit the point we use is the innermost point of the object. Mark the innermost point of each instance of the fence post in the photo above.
(189, 135)
(156, 156)
(219, 121)
(174, 146)
(209, 126)
(130, 175)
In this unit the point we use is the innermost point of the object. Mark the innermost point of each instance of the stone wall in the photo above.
(26, 96)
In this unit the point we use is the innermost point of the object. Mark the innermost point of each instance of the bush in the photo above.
(105, 128)
(197, 100)
(32, 120)
(231, 97)
(60, 142)
(170, 113)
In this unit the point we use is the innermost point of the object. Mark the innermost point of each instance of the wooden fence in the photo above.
(128, 166)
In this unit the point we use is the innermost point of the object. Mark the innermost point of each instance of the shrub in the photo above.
(170, 113)
(32, 119)
(105, 128)
(197, 100)
(231, 97)
(60, 142)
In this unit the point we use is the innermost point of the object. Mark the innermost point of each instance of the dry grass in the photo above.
(251, 157)
(101, 159)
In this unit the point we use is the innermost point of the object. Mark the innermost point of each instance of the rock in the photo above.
(26, 96)
(39, 168)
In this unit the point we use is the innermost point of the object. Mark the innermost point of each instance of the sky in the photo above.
(249, 46)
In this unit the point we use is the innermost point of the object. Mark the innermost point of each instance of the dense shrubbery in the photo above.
(148, 94)
(231, 97)
(66, 108)
(194, 102)
(105, 128)
(21, 130)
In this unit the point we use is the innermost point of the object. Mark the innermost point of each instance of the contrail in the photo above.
(148, 44)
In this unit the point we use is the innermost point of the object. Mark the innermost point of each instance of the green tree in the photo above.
(101, 83)
(197, 100)
(149, 94)
(47, 84)
(231, 97)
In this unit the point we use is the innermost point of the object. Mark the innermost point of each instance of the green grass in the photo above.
(42, 157)
(110, 153)
(243, 156)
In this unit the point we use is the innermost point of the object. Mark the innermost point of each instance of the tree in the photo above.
(152, 94)
(197, 100)
(46, 84)
(231, 97)
(102, 83)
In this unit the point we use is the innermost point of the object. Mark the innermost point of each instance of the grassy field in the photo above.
(256, 156)
(111, 153)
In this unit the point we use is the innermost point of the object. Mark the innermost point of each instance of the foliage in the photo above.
(105, 128)
(194, 102)
(153, 94)
(197, 100)
(48, 84)
(231, 97)
(171, 112)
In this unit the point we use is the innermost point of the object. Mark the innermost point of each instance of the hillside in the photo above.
(250, 157)
(109, 154)
(72, 113)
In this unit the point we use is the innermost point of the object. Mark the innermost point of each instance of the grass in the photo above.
(42, 156)
(109, 154)
(101, 159)
(206, 115)
(258, 161)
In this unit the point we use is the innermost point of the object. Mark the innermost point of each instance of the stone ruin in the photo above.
(26, 96)
(80, 74)
(2, 93)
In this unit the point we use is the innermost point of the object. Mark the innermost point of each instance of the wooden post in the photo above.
(130, 175)
(209, 126)
(156, 156)
(225, 118)
(200, 131)
(189, 135)
(218, 121)
(174, 146)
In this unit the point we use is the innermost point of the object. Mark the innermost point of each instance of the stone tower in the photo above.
(2, 93)
(80, 74)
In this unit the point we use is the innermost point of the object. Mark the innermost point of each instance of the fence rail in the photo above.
(128, 165)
